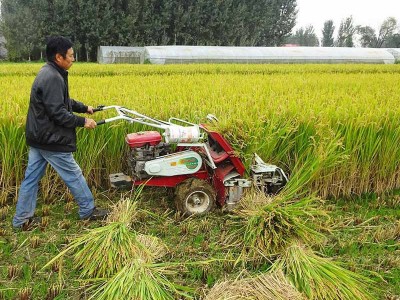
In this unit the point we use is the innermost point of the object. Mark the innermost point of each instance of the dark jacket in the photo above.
(51, 124)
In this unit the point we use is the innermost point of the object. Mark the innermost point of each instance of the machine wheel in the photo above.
(194, 197)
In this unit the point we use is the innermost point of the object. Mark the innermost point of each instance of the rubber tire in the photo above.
(187, 188)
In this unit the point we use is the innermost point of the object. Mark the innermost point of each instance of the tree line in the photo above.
(349, 34)
(25, 24)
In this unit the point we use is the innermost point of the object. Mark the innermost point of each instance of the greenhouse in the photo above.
(395, 52)
(248, 55)
(120, 55)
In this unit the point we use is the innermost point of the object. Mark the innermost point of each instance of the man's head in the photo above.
(59, 50)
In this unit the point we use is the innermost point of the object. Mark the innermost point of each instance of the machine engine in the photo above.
(138, 157)
(144, 146)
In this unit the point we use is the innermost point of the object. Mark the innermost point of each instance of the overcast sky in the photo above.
(364, 12)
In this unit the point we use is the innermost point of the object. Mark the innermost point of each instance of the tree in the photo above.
(346, 33)
(393, 41)
(367, 36)
(387, 29)
(304, 37)
(285, 13)
(91, 23)
(327, 34)
(20, 28)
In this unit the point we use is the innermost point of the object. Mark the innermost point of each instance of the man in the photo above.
(50, 133)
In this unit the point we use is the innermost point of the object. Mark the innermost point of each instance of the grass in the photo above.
(365, 238)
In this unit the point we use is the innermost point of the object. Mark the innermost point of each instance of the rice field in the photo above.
(333, 233)
(346, 117)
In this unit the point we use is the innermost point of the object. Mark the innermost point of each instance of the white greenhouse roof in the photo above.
(120, 54)
(216, 54)
(395, 52)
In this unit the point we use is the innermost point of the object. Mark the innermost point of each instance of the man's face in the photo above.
(66, 62)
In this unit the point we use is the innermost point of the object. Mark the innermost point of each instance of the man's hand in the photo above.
(90, 110)
(90, 123)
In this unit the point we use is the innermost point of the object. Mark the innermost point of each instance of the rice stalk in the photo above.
(51, 186)
(268, 226)
(91, 161)
(321, 278)
(154, 245)
(267, 286)
(101, 252)
(316, 154)
(124, 211)
(12, 157)
(139, 280)
(106, 251)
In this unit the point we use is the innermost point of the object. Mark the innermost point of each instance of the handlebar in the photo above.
(176, 130)
(98, 108)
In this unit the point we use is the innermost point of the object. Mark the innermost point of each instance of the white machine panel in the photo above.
(185, 162)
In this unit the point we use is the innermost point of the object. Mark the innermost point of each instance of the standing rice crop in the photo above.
(12, 156)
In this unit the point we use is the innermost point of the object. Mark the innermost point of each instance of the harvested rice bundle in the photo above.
(321, 278)
(268, 286)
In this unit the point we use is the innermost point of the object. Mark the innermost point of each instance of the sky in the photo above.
(364, 12)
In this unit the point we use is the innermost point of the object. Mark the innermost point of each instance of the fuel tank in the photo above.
(139, 139)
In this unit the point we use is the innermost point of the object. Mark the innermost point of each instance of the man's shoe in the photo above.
(97, 214)
(29, 224)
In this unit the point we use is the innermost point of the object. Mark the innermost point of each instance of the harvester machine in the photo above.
(197, 162)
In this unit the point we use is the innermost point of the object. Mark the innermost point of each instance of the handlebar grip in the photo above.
(98, 108)
(101, 122)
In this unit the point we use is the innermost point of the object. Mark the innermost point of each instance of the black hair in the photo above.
(57, 44)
